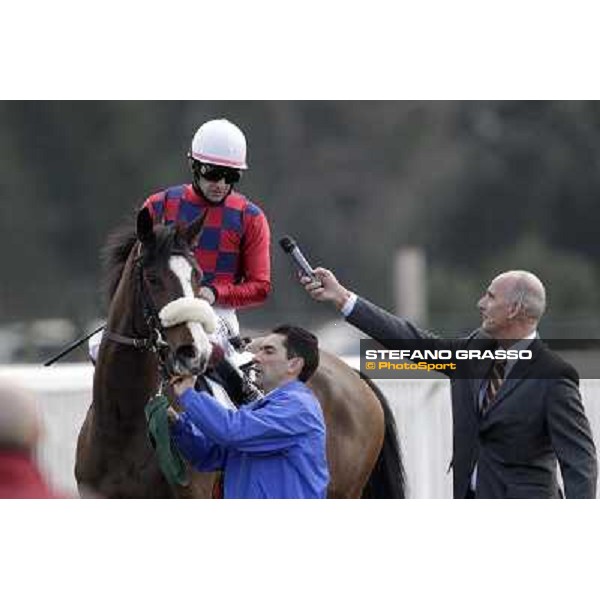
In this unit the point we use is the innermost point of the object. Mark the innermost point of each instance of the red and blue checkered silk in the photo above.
(233, 250)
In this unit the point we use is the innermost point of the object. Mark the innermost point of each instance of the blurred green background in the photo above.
(481, 187)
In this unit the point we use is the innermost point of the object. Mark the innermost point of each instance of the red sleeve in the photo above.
(255, 260)
(156, 205)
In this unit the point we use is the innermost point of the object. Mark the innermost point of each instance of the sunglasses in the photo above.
(216, 173)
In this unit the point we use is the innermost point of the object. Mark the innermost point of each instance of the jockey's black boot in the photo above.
(237, 384)
(250, 391)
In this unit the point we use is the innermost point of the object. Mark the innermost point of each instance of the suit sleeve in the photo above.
(196, 448)
(382, 325)
(256, 265)
(572, 439)
(393, 332)
(273, 426)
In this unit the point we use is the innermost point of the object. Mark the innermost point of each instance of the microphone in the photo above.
(290, 247)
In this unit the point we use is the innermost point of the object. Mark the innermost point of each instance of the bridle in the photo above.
(156, 340)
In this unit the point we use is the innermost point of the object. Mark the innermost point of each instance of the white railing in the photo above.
(422, 410)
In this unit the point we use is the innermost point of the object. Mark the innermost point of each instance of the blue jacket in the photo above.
(271, 448)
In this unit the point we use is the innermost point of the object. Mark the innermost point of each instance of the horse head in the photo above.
(168, 279)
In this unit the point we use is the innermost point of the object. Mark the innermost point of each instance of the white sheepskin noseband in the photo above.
(186, 310)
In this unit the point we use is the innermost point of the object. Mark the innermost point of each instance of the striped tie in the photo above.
(496, 379)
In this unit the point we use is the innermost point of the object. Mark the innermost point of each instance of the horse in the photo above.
(151, 272)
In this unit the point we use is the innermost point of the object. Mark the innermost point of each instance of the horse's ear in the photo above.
(194, 229)
(145, 226)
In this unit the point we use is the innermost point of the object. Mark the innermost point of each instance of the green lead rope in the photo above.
(169, 459)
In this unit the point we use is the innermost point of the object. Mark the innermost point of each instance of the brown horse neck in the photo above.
(125, 377)
(125, 316)
(124, 380)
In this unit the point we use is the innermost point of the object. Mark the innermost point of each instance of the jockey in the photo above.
(233, 250)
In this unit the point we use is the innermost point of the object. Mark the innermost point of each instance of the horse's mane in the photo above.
(114, 255)
(121, 241)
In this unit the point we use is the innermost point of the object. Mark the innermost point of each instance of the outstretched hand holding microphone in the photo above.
(320, 283)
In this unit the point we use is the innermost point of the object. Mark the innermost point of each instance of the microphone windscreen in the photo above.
(287, 244)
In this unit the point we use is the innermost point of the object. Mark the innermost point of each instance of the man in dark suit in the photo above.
(511, 420)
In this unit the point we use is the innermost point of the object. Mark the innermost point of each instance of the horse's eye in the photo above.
(154, 279)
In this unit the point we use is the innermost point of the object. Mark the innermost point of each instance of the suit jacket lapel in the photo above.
(520, 371)
(508, 385)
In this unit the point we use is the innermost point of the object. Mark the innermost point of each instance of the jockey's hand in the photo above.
(324, 287)
(207, 294)
(183, 383)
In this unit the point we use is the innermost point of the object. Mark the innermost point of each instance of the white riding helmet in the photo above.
(220, 142)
